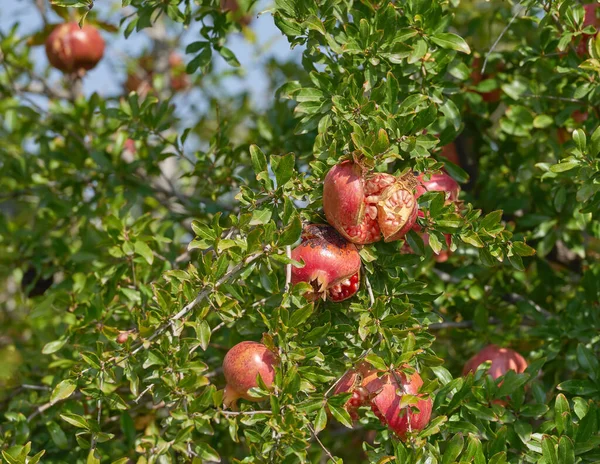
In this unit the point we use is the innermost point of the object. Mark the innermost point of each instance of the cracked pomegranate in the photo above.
(332, 264)
(353, 381)
(363, 207)
(385, 395)
(72, 49)
(502, 359)
(241, 366)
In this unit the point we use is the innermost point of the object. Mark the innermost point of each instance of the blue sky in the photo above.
(109, 75)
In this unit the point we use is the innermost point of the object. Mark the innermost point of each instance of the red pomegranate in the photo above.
(241, 366)
(502, 359)
(492, 96)
(563, 134)
(72, 49)
(332, 264)
(445, 253)
(385, 395)
(590, 19)
(386, 404)
(354, 381)
(233, 7)
(178, 77)
(449, 152)
(441, 182)
(364, 207)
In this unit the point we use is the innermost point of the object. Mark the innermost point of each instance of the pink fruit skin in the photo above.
(438, 183)
(503, 360)
(241, 366)
(386, 404)
(343, 196)
(73, 49)
(363, 208)
(385, 400)
(328, 257)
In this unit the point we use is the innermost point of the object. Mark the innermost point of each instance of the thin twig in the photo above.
(500, 37)
(288, 269)
(370, 291)
(99, 407)
(244, 413)
(314, 434)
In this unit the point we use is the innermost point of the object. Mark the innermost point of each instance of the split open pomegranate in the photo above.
(363, 207)
(331, 263)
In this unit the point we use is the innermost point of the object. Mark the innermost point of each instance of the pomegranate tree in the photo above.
(363, 207)
(72, 49)
(242, 365)
(502, 359)
(331, 264)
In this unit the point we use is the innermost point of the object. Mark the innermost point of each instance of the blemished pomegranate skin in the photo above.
(502, 359)
(363, 207)
(72, 49)
(332, 264)
(241, 366)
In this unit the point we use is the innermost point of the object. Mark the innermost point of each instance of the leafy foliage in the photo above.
(129, 269)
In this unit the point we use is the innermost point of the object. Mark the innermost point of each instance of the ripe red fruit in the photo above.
(72, 49)
(441, 182)
(241, 366)
(449, 152)
(590, 19)
(492, 96)
(385, 395)
(386, 404)
(502, 359)
(122, 337)
(364, 207)
(179, 80)
(332, 264)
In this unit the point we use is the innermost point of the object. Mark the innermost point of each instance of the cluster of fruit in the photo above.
(382, 391)
(361, 208)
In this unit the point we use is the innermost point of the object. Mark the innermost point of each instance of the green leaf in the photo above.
(453, 449)
(72, 3)
(522, 249)
(62, 391)
(595, 142)
(144, 251)
(320, 420)
(301, 315)
(549, 451)
(53, 347)
(561, 408)
(229, 57)
(578, 387)
(580, 140)
(341, 415)
(587, 360)
(204, 333)
(58, 436)
(283, 168)
(451, 41)
(565, 166)
(566, 452)
(93, 457)
(75, 420)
